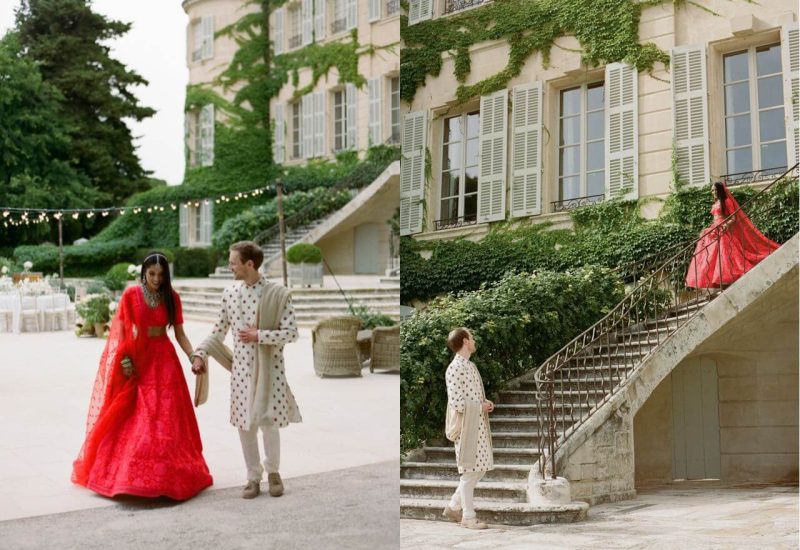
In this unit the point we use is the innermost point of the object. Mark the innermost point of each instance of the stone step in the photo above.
(497, 513)
(449, 470)
(515, 440)
(524, 410)
(561, 396)
(528, 425)
(501, 455)
(496, 491)
(212, 292)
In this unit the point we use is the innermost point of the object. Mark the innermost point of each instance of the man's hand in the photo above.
(198, 365)
(487, 406)
(249, 335)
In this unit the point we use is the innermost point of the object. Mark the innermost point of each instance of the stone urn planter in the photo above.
(305, 265)
(99, 329)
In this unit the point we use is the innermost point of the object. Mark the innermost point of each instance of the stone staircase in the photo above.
(272, 249)
(310, 304)
(430, 476)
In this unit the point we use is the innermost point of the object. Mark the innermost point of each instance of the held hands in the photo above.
(248, 335)
(127, 367)
(198, 365)
(487, 406)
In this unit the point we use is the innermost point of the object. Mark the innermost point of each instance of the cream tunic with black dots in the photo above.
(239, 308)
(464, 382)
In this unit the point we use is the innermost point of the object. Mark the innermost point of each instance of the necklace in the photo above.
(152, 298)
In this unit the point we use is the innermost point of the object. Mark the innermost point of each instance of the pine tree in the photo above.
(34, 149)
(69, 43)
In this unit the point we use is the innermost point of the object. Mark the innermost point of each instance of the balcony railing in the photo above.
(569, 204)
(753, 176)
(295, 41)
(451, 223)
(392, 7)
(340, 25)
(451, 6)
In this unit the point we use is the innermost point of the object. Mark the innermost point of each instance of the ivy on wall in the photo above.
(608, 31)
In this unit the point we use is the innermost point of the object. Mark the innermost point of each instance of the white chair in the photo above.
(60, 310)
(71, 313)
(7, 311)
(44, 305)
(29, 313)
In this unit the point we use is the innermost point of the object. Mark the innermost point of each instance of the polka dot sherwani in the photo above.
(464, 383)
(238, 311)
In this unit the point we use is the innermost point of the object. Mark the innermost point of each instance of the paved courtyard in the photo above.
(690, 516)
(44, 396)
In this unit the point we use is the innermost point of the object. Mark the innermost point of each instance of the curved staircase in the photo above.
(546, 414)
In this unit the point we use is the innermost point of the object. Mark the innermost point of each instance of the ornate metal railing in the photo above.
(340, 25)
(295, 41)
(392, 7)
(451, 6)
(569, 204)
(754, 176)
(451, 223)
(578, 379)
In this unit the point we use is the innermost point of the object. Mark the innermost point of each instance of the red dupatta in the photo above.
(755, 245)
(113, 395)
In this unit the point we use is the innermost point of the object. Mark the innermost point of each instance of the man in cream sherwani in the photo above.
(261, 316)
(465, 396)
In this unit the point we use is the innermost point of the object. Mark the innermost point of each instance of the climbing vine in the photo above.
(608, 31)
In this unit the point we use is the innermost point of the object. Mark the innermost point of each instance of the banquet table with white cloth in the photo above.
(21, 312)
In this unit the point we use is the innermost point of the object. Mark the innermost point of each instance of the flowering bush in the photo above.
(27, 265)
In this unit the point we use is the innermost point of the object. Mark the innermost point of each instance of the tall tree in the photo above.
(69, 42)
(34, 148)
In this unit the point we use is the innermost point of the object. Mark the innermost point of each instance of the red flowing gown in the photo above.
(721, 257)
(142, 436)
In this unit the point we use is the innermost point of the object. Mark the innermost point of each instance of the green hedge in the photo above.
(89, 259)
(249, 223)
(195, 262)
(517, 324)
(304, 253)
(608, 234)
(117, 277)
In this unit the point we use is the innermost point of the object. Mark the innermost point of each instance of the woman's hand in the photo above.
(487, 406)
(127, 367)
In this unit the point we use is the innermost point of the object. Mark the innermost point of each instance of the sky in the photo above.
(156, 49)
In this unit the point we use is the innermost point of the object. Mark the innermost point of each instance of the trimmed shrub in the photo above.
(195, 262)
(86, 260)
(517, 324)
(117, 277)
(304, 253)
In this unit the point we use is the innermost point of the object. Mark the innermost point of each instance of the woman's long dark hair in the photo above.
(719, 191)
(156, 257)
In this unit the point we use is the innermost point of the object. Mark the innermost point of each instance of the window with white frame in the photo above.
(395, 103)
(755, 135)
(200, 132)
(339, 16)
(581, 151)
(295, 27)
(297, 143)
(392, 7)
(339, 121)
(203, 38)
(196, 224)
(459, 182)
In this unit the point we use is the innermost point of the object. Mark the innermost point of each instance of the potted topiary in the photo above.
(305, 264)
(95, 312)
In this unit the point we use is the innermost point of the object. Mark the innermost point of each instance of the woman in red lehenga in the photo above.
(727, 249)
(141, 433)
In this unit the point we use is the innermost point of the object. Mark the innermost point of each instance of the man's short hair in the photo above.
(248, 250)
(455, 340)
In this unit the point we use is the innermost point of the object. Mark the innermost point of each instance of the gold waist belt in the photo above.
(156, 331)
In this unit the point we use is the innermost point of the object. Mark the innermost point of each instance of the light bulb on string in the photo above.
(76, 215)
(173, 206)
(105, 213)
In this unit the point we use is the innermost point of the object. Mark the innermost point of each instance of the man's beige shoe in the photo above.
(473, 523)
(275, 484)
(452, 514)
(252, 489)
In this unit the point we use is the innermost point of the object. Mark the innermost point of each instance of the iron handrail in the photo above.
(650, 313)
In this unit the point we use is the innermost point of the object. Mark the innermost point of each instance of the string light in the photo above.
(16, 216)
